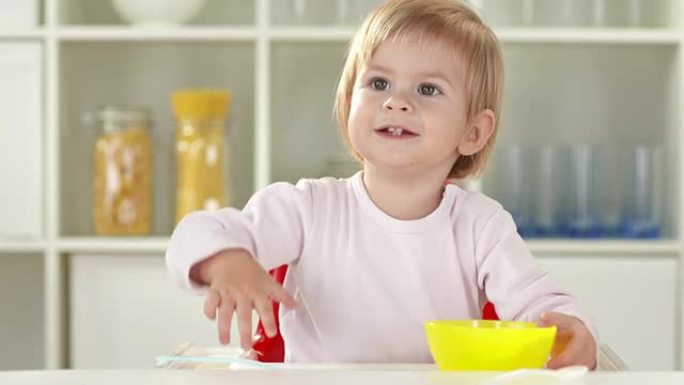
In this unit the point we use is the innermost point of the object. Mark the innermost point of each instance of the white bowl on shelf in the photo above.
(157, 13)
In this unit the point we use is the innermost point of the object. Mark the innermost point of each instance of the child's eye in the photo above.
(429, 90)
(379, 84)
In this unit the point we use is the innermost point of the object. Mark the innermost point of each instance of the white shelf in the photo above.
(34, 34)
(113, 245)
(156, 34)
(22, 246)
(604, 247)
(589, 36)
(158, 245)
(506, 35)
(341, 34)
(311, 34)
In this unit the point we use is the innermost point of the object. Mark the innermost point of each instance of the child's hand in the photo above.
(237, 283)
(574, 344)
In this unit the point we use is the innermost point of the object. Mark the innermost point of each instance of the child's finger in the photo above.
(265, 309)
(562, 321)
(211, 302)
(559, 362)
(563, 338)
(225, 318)
(279, 294)
(244, 316)
(570, 356)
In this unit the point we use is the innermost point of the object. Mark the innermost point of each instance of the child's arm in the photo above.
(271, 228)
(229, 251)
(521, 290)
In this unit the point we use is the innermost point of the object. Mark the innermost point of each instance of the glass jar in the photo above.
(122, 171)
(563, 13)
(620, 13)
(319, 12)
(200, 149)
(506, 13)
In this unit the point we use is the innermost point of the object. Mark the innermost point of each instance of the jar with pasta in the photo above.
(200, 149)
(122, 171)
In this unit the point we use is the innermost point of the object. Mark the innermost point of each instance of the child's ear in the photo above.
(478, 133)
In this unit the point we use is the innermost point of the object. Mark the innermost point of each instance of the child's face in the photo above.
(408, 107)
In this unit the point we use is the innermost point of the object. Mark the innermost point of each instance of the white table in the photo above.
(309, 376)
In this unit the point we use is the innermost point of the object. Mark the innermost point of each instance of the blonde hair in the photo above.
(448, 21)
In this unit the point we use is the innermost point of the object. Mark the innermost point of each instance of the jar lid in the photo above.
(113, 118)
(201, 104)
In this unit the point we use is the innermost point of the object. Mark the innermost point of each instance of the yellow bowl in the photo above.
(489, 345)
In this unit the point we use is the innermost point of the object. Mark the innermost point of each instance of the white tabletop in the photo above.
(308, 376)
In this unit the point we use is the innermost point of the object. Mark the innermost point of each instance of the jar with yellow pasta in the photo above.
(122, 172)
(200, 149)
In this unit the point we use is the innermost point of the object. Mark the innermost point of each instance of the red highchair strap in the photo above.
(489, 312)
(271, 349)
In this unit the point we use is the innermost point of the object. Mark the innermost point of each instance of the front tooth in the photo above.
(396, 131)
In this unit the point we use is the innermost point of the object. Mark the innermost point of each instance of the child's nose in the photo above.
(394, 103)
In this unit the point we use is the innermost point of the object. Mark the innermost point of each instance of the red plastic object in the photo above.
(489, 312)
(273, 349)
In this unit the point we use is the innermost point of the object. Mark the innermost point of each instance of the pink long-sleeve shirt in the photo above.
(367, 282)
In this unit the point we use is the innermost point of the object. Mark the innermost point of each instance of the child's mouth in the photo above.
(395, 132)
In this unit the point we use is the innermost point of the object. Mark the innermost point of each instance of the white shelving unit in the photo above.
(283, 79)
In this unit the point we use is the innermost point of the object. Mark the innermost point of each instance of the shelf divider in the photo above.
(128, 245)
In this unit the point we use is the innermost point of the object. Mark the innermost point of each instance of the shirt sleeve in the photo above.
(271, 227)
(513, 280)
